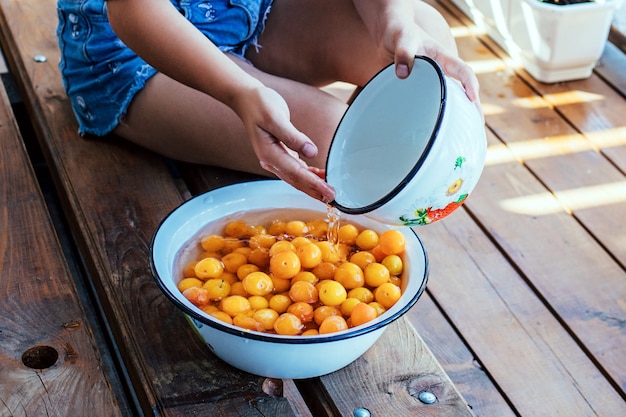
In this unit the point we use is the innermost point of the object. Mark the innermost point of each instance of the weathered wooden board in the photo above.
(574, 139)
(388, 379)
(617, 34)
(537, 130)
(49, 361)
(456, 357)
(574, 284)
(611, 68)
(115, 196)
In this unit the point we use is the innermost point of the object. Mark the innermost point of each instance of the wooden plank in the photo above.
(392, 374)
(611, 68)
(550, 143)
(573, 170)
(561, 264)
(514, 336)
(593, 106)
(551, 252)
(49, 359)
(595, 110)
(597, 195)
(575, 124)
(617, 33)
(512, 333)
(459, 362)
(115, 196)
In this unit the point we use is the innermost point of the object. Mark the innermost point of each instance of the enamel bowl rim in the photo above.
(270, 337)
(421, 158)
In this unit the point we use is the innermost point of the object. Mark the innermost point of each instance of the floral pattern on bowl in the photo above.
(448, 196)
(407, 152)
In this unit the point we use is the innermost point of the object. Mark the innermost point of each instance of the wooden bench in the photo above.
(114, 196)
(533, 277)
(617, 34)
(524, 307)
(49, 360)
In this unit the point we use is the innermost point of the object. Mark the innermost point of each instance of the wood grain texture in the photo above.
(49, 362)
(524, 307)
(459, 362)
(560, 322)
(617, 33)
(611, 68)
(389, 377)
(115, 195)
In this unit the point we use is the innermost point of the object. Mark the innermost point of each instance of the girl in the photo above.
(235, 83)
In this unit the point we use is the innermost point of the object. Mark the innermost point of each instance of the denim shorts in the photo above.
(101, 75)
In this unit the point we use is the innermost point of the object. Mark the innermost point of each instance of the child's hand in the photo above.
(411, 38)
(392, 24)
(278, 144)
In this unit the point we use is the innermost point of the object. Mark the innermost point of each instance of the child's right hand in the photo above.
(278, 144)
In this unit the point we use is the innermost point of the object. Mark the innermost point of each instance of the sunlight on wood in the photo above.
(462, 32)
(482, 66)
(557, 99)
(499, 154)
(535, 149)
(569, 200)
(485, 66)
(550, 146)
(609, 137)
(491, 109)
(531, 102)
(573, 97)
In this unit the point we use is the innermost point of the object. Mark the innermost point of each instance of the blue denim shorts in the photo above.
(101, 75)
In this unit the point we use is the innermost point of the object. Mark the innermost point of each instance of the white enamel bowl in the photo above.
(407, 152)
(258, 353)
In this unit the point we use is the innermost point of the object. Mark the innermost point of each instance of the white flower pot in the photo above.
(554, 43)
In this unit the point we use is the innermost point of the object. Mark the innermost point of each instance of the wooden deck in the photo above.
(525, 308)
(531, 276)
(617, 34)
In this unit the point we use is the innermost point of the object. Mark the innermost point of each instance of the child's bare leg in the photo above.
(310, 41)
(321, 41)
(184, 124)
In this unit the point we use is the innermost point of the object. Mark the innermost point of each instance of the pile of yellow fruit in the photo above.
(288, 278)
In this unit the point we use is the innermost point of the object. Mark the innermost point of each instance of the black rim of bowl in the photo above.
(420, 161)
(347, 334)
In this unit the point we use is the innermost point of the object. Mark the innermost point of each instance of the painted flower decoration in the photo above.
(446, 197)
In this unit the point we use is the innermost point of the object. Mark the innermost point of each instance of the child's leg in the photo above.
(184, 124)
(321, 41)
(310, 41)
